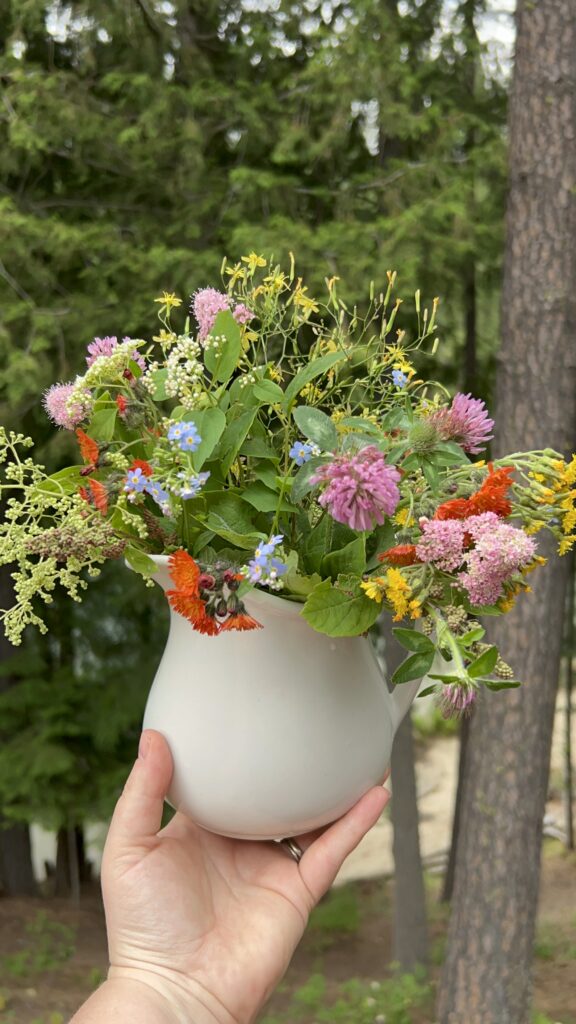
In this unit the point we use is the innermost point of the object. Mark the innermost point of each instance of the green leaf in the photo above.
(65, 481)
(257, 447)
(483, 664)
(139, 560)
(231, 518)
(431, 475)
(471, 637)
(349, 559)
(268, 474)
(427, 691)
(366, 425)
(445, 678)
(315, 368)
(223, 361)
(501, 684)
(302, 481)
(412, 640)
(336, 612)
(269, 392)
(295, 582)
(265, 500)
(102, 424)
(316, 426)
(233, 436)
(211, 424)
(415, 667)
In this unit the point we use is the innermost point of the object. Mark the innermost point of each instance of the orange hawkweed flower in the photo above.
(242, 621)
(88, 447)
(99, 495)
(185, 572)
(490, 497)
(402, 554)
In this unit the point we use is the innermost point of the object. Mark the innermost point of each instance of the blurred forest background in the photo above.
(141, 141)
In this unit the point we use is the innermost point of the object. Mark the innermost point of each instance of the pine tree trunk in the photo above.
(487, 975)
(410, 923)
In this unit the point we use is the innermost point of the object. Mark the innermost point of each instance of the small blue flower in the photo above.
(399, 378)
(160, 496)
(302, 451)
(192, 485)
(185, 435)
(135, 481)
(264, 568)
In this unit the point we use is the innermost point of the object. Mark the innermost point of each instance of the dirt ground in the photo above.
(52, 953)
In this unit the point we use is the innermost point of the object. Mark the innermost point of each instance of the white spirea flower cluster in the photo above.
(185, 372)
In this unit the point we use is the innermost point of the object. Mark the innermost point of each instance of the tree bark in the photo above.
(448, 884)
(410, 922)
(487, 975)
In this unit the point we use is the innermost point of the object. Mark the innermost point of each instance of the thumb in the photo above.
(138, 813)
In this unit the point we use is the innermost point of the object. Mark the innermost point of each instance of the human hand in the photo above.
(210, 923)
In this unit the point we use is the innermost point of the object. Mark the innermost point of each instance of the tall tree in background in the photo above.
(487, 975)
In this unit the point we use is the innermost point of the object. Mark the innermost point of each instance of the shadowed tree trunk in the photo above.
(487, 975)
(16, 870)
(410, 924)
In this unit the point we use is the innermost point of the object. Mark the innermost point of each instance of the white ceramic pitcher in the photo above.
(276, 731)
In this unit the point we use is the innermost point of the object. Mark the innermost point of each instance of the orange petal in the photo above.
(99, 495)
(143, 465)
(192, 608)
(185, 572)
(88, 448)
(241, 622)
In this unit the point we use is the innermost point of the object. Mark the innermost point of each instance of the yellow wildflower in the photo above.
(312, 393)
(569, 521)
(415, 608)
(535, 527)
(165, 337)
(275, 374)
(537, 476)
(236, 273)
(403, 517)
(327, 345)
(254, 260)
(536, 561)
(398, 593)
(169, 300)
(569, 474)
(566, 544)
(276, 281)
(374, 588)
(305, 302)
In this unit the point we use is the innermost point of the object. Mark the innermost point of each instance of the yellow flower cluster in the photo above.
(397, 591)
(556, 487)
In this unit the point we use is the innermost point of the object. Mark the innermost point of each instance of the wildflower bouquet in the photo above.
(277, 440)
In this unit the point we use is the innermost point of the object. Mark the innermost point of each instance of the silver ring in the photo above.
(293, 849)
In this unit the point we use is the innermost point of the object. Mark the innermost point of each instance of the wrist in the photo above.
(180, 999)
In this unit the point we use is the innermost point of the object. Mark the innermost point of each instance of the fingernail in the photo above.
(144, 745)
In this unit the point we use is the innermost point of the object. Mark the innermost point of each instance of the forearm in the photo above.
(130, 1000)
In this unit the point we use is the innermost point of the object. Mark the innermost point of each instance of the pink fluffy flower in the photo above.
(442, 542)
(466, 421)
(208, 302)
(499, 551)
(456, 700)
(362, 489)
(106, 346)
(241, 313)
(61, 411)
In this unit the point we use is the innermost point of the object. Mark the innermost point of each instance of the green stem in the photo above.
(444, 635)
